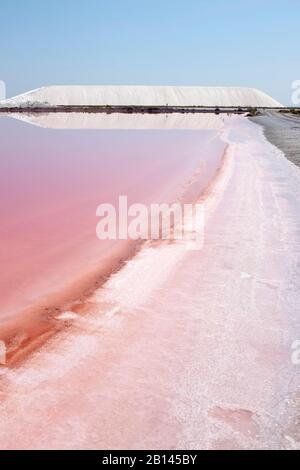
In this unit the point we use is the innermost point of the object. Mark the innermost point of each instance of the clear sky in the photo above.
(168, 42)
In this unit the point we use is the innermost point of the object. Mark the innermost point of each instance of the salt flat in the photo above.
(194, 351)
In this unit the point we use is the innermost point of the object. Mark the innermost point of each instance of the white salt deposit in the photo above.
(144, 96)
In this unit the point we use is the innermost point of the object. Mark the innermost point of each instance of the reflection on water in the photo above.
(51, 182)
(123, 121)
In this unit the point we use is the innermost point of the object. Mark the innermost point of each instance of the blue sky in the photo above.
(168, 42)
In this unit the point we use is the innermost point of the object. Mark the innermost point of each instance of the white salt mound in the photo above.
(144, 96)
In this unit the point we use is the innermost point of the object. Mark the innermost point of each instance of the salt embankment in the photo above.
(143, 96)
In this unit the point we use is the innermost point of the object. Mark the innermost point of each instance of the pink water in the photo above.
(51, 182)
(181, 349)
